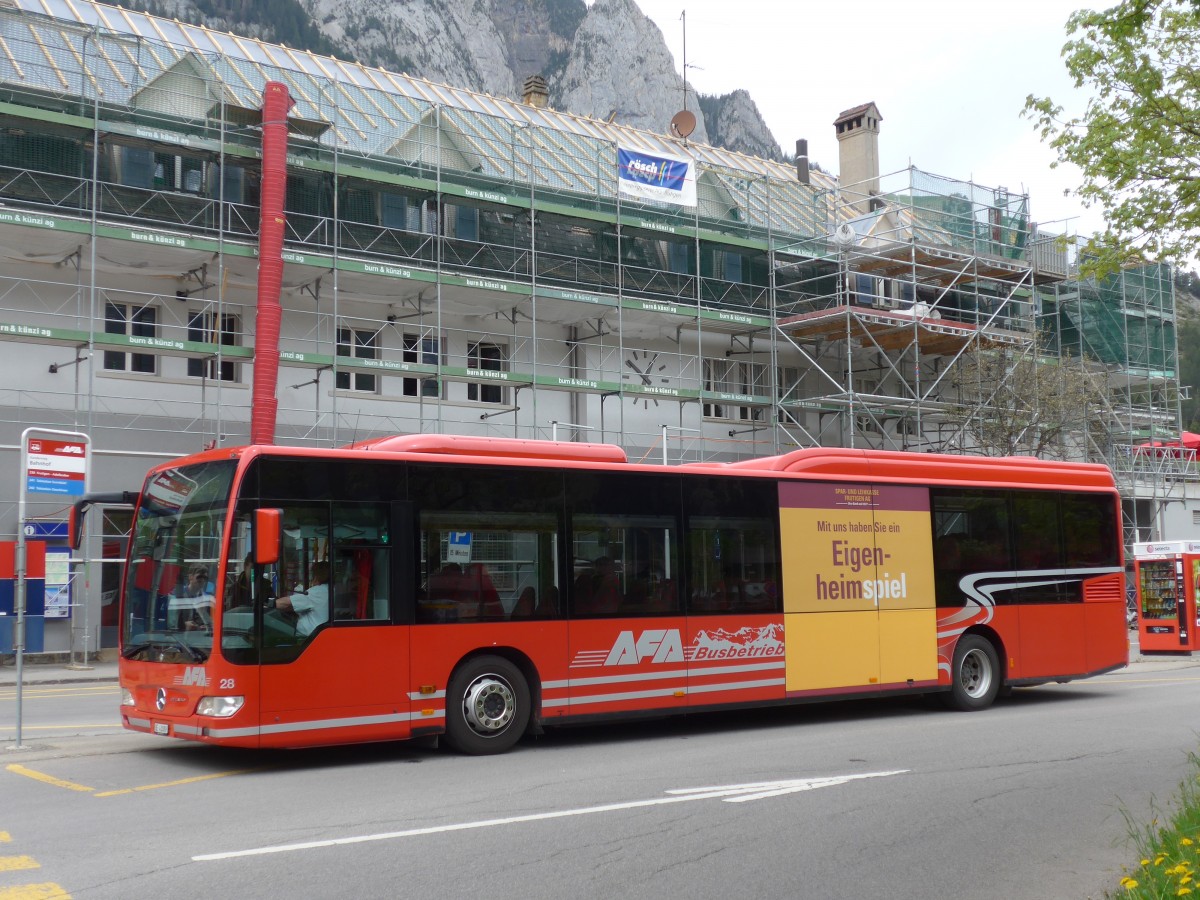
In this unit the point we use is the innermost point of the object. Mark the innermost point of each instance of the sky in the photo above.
(950, 78)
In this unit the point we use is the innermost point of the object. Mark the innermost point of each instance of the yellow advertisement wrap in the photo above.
(858, 586)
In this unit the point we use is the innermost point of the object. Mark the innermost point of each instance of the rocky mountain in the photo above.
(607, 60)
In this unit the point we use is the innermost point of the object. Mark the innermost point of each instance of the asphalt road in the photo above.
(877, 799)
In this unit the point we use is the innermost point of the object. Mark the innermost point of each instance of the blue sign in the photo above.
(458, 548)
(655, 177)
(39, 530)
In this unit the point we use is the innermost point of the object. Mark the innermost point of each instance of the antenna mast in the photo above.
(683, 19)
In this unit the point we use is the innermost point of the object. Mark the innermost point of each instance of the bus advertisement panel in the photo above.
(483, 590)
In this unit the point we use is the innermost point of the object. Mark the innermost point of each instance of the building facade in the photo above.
(461, 263)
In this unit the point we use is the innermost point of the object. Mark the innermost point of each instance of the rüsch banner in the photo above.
(651, 176)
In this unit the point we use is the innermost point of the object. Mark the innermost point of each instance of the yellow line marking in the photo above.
(166, 784)
(5, 837)
(47, 891)
(14, 863)
(48, 779)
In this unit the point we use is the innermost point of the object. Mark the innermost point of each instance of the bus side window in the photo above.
(361, 552)
(733, 556)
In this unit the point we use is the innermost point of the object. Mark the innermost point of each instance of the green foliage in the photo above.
(1189, 372)
(1138, 142)
(1168, 853)
(1021, 401)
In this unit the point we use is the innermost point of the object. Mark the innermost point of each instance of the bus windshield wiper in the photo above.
(195, 653)
(135, 649)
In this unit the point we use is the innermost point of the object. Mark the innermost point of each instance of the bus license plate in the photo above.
(162, 728)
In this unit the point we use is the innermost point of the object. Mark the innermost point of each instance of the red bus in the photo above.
(483, 589)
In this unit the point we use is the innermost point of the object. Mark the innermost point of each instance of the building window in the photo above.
(423, 350)
(357, 343)
(466, 223)
(736, 379)
(487, 357)
(206, 327)
(132, 321)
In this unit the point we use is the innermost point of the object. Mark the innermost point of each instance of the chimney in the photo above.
(802, 161)
(535, 93)
(858, 156)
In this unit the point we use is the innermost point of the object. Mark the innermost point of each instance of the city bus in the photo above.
(484, 589)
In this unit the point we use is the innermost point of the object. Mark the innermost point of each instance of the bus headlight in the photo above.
(219, 707)
(127, 697)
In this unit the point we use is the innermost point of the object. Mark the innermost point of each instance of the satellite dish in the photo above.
(683, 123)
(845, 235)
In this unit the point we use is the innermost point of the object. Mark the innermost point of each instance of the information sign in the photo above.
(55, 466)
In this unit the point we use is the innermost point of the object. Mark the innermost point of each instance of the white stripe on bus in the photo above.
(318, 724)
(703, 672)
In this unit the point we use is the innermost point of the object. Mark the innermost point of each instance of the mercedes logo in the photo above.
(160, 699)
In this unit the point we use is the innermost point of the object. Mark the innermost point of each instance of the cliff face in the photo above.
(607, 60)
(619, 66)
(735, 122)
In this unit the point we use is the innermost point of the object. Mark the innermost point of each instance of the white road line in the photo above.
(734, 793)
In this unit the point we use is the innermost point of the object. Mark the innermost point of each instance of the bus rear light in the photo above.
(219, 707)
(127, 697)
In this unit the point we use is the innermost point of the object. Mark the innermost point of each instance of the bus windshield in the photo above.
(169, 583)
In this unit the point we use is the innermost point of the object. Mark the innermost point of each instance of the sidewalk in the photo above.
(41, 671)
(35, 671)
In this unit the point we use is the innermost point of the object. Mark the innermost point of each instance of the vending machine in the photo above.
(1167, 576)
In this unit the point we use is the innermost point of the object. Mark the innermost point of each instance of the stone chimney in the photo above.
(535, 93)
(858, 156)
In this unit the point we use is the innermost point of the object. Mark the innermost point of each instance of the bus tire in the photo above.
(487, 706)
(974, 675)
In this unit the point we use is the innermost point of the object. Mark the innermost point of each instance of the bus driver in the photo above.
(311, 606)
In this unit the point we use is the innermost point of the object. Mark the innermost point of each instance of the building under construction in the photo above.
(458, 263)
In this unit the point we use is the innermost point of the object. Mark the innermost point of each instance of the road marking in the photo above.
(72, 786)
(5, 837)
(47, 891)
(166, 784)
(49, 779)
(734, 793)
(16, 863)
(743, 792)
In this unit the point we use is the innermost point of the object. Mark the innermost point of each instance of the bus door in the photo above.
(331, 656)
(626, 634)
(858, 587)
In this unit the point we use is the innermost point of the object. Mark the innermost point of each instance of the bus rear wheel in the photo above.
(974, 675)
(487, 706)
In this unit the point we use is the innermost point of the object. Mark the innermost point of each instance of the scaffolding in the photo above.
(463, 263)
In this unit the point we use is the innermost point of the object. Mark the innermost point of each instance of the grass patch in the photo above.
(1168, 850)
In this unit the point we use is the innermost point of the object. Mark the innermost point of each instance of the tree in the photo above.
(1022, 401)
(1138, 142)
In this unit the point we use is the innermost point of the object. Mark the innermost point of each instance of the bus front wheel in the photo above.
(974, 675)
(487, 706)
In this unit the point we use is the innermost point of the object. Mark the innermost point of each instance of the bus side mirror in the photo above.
(75, 517)
(268, 534)
(78, 511)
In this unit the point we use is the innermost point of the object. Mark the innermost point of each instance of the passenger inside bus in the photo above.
(465, 593)
(191, 606)
(245, 588)
(598, 591)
